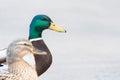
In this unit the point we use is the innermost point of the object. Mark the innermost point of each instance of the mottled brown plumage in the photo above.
(18, 68)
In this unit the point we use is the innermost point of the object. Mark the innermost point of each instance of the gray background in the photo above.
(90, 48)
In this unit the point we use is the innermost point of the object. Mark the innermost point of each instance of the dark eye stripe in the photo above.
(27, 45)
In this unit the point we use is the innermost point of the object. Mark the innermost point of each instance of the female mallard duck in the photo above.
(19, 69)
(37, 26)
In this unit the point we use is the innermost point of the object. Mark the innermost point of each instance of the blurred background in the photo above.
(90, 48)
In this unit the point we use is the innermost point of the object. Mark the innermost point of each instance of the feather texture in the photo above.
(18, 68)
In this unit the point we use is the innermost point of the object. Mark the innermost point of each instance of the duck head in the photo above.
(40, 23)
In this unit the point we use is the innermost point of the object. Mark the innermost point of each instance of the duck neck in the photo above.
(12, 60)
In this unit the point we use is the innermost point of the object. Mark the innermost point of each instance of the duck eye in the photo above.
(43, 19)
(25, 44)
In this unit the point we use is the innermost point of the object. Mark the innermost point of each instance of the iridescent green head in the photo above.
(40, 23)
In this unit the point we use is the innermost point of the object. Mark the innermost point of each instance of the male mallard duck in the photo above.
(18, 68)
(37, 26)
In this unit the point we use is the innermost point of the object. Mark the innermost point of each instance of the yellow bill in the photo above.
(56, 28)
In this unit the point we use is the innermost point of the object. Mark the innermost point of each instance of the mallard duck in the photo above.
(37, 26)
(18, 68)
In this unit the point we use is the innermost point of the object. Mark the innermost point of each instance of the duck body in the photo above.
(37, 26)
(22, 70)
(19, 69)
